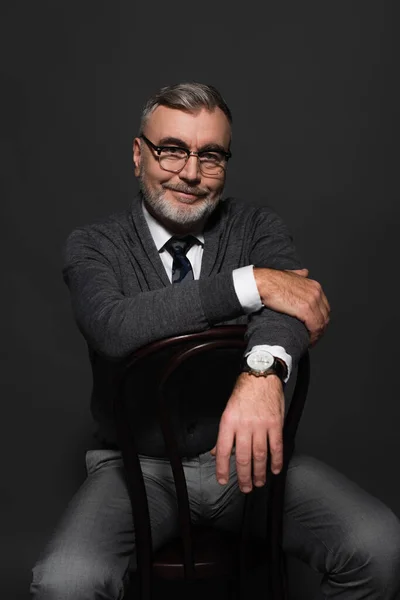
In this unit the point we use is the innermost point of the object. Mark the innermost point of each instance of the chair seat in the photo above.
(215, 553)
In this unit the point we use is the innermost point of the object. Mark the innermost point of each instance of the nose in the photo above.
(191, 171)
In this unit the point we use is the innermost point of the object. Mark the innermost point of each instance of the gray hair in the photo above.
(190, 97)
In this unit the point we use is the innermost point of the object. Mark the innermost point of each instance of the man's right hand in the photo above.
(292, 293)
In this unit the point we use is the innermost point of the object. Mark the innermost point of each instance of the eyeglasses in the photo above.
(173, 158)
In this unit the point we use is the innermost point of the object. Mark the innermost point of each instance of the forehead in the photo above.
(195, 128)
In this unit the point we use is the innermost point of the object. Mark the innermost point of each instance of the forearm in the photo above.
(115, 324)
(277, 329)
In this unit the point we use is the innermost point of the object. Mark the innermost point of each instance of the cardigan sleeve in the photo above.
(272, 247)
(113, 324)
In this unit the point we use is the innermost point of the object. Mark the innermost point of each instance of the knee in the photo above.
(75, 578)
(377, 542)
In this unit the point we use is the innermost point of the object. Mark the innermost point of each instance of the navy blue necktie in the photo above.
(181, 267)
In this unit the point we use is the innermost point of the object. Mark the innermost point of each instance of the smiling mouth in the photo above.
(187, 194)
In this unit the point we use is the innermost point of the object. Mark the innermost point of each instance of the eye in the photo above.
(173, 151)
(215, 157)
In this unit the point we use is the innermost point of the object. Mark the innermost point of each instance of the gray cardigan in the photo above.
(122, 299)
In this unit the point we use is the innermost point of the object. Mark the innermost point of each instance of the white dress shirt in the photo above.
(243, 278)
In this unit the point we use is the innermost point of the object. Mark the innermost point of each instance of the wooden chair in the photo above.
(201, 552)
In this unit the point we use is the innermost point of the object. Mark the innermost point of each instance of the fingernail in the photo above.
(222, 481)
(246, 489)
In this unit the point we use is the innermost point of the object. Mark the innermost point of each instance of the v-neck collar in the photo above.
(211, 238)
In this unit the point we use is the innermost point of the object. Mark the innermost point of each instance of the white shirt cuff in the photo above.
(278, 352)
(246, 289)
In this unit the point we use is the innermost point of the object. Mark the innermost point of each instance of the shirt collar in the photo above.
(159, 233)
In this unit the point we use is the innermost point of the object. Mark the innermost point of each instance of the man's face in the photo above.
(181, 201)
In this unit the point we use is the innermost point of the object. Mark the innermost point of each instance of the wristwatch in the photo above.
(262, 363)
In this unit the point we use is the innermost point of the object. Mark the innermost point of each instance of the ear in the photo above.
(136, 155)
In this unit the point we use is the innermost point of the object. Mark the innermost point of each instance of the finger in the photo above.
(321, 324)
(275, 438)
(243, 460)
(326, 307)
(323, 303)
(223, 453)
(316, 315)
(315, 322)
(315, 336)
(260, 454)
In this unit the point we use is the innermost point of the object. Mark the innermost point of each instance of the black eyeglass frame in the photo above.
(159, 149)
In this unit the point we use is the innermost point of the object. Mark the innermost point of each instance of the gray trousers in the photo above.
(330, 523)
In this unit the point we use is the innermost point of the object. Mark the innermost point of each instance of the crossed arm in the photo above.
(254, 415)
(114, 323)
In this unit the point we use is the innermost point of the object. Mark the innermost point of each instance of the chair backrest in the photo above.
(163, 361)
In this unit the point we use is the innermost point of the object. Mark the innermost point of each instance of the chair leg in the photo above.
(234, 589)
(135, 588)
(277, 579)
(285, 577)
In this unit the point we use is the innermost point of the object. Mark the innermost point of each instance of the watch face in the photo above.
(260, 360)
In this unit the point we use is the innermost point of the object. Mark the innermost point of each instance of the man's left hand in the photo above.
(254, 413)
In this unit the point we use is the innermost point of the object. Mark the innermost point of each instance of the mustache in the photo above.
(186, 190)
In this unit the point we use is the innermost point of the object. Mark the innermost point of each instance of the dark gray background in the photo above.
(310, 85)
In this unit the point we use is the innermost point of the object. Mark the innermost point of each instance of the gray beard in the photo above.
(178, 215)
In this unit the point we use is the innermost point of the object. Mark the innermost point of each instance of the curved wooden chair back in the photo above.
(199, 552)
